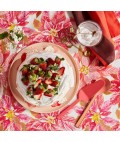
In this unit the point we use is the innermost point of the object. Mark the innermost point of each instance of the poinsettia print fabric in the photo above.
(20, 29)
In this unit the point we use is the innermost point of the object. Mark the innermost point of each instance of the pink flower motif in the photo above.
(11, 117)
(36, 37)
(88, 70)
(116, 127)
(115, 84)
(5, 59)
(14, 17)
(52, 25)
(115, 89)
(97, 117)
(115, 99)
(49, 122)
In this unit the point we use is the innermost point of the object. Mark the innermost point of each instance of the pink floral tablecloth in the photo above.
(59, 28)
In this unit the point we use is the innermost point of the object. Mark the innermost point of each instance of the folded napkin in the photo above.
(107, 20)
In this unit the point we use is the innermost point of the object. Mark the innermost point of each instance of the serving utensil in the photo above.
(85, 94)
(105, 87)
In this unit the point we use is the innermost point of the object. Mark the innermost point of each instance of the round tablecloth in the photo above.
(56, 27)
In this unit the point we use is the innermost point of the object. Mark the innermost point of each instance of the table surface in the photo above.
(59, 28)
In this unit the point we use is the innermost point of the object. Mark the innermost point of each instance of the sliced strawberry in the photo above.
(30, 90)
(34, 61)
(49, 93)
(50, 61)
(55, 83)
(55, 76)
(37, 82)
(61, 71)
(38, 91)
(38, 96)
(48, 74)
(57, 60)
(24, 70)
(41, 73)
(25, 81)
(56, 104)
(36, 69)
(48, 81)
(43, 66)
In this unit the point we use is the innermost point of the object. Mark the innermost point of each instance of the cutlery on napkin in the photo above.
(86, 93)
(107, 20)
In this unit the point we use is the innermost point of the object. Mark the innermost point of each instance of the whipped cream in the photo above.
(89, 33)
(67, 80)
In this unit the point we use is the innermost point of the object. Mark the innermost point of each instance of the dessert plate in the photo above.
(39, 48)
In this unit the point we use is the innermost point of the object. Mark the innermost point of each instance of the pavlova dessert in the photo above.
(44, 78)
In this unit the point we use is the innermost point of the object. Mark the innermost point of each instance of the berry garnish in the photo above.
(37, 82)
(24, 70)
(30, 90)
(49, 93)
(25, 81)
(38, 96)
(43, 65)
(61, 71)
(50, 61)
(55, 83)
(36, 69)
(48, 74)
(55, 76)
(34, 61)
(41, 73)
(38, 91)
(33, 78)
(57, 60)
(48, 81)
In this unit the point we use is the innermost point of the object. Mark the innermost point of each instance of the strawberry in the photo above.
(34, 61)
(49, 93)
(36, 69)
(55, 76)
(41, 73)
(30, 90)
(56, 104)
(55, 83)
(25, 81)
(61, 71)
(38, 96)
(57, 60)
(37, 83)
(43, 66)
(50, 61)
(48, 81)
(48, 74)
(24, 70)
(38, 91)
